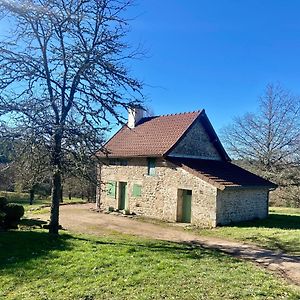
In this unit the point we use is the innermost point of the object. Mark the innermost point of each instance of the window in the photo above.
(118, 162)
(137, 190)
(151, 166)
(123, 162)
(111, 189)
(112, 162)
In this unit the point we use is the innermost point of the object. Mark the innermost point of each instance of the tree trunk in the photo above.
(56, 184)
(31, 196)
(56, 196)
(98, 187)
(61, 195)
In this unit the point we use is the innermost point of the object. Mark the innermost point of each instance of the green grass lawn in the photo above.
(285, 210)
(39, 202)
(36, 266)
(280, 231)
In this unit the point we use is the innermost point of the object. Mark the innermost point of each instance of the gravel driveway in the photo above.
(81, 219)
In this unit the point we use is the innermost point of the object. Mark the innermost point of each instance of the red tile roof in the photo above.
(221, 174)
(152, 136)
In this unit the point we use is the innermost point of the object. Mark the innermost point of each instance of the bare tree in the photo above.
(268, 142)
(271, 137)
(7, 172)
(6, 177)
(32, 166)
(63, 77)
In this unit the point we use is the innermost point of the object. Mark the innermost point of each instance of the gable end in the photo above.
(199, 141)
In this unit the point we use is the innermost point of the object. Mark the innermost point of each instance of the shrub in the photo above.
(14, 212)
(3, 203)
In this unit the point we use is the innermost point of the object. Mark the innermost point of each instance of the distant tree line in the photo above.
(267, 142)
(25, 168)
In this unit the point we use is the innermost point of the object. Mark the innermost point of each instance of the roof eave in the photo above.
(270, 187)
(108, 156)
(214, 137)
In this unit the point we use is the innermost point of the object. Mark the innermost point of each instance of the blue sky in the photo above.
(216, 54)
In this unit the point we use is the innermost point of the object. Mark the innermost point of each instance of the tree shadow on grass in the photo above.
(32, 223)
(279, 221)
(291, 246)
(17, 247)
(184, 249)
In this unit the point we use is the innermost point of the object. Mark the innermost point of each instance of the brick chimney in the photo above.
(135, 114)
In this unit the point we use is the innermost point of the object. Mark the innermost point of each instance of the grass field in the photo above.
(36, 266)
(280, 231)
(39, 202)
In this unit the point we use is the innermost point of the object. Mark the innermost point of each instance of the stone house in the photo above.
(174, 167)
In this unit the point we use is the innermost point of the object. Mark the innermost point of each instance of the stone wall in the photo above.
(236, 204)
(160, 192)
(196, 143)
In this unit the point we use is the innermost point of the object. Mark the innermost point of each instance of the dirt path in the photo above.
(80, 219)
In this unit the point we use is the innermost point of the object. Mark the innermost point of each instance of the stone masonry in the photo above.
(159, 196)
(241, 204)
(167, 193)
(159, 192)
(196, 143)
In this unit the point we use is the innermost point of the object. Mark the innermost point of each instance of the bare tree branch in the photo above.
(64, 78)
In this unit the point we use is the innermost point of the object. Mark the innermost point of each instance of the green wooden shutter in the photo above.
(111, 189)
(137, 190)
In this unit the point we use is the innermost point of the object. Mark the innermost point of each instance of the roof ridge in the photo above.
(176, 114)
(152, 135)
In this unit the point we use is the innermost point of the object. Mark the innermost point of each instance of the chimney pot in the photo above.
(135, 114)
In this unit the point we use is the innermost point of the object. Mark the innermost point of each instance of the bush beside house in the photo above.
(10, 214)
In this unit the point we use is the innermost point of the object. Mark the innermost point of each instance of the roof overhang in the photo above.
(220, 183)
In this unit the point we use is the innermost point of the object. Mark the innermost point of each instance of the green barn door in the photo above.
(123, 195)
(186, 206)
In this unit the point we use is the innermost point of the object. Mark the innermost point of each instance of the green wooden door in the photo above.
(186, 206)
(123, 195)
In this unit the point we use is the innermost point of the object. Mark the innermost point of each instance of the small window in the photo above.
(123, 162)
(111, 189)
(137, 190)
(151, 166)
(112, 162)
(118, 162)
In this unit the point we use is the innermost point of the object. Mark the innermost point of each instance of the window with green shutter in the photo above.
(111, 189)
(137, 190)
